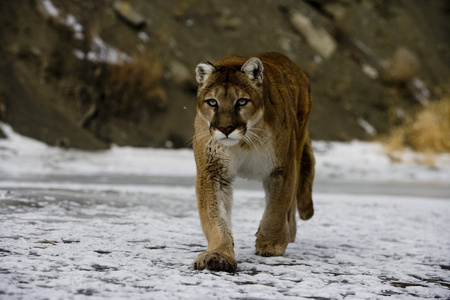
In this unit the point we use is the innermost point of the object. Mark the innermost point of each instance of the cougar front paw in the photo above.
(271, 247)
(215, 261)
(270, 250)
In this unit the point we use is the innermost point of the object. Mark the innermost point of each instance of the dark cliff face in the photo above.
(371, 63)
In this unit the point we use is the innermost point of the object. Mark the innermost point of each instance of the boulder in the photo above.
(402, 66)
(126, 12)
(316, 37)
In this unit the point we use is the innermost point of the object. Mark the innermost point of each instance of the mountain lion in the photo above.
(252, 121)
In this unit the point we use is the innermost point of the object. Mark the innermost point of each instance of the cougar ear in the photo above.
(254, 69)
(203, 70)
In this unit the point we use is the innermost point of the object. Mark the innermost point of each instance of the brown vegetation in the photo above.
(428, 132)
(133, 88)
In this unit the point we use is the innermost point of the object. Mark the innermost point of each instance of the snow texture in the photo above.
(74, 227)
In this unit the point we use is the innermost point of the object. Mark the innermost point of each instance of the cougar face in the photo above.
(229, 101)
(229, 113)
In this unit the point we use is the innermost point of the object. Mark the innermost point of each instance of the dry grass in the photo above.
(428, 132)
(136, 87)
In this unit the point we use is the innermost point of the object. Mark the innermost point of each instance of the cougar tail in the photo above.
(304, 193)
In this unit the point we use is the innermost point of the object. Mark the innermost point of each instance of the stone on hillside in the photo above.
(317, 38)
(128, 14)
(180, 74)
(402, 67)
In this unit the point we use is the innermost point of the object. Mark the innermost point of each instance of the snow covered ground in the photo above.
(123, 223)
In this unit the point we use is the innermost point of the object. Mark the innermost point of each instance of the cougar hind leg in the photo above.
(292, 222)
(304, 193)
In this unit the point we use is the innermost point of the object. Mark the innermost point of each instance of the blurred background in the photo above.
(88, 74)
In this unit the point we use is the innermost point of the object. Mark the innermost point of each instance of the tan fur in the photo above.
(255, 126)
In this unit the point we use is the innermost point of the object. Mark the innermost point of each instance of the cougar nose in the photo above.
(227, 130)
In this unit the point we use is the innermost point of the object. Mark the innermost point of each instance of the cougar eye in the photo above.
(211, 102)
(242, 101)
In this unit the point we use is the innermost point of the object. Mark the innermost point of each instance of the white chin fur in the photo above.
(231, 140)
(228, 142)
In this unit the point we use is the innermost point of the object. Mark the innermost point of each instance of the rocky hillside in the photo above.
(85, 74)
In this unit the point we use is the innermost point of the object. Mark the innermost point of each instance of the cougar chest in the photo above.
(254, 163)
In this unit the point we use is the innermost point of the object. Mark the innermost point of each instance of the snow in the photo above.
(100, 52)
(368, 128)
(104, 225)
(356, 160)
(24, 156)
(50, 8)
(143, 36)
(67, 20)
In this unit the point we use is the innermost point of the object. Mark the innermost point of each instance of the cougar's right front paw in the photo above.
(215, 261)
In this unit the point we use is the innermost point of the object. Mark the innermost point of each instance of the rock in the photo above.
(47, 9)
(128, 14)
(368, 128)
(63, 142)
(181, 75)
(229, 22)
(286, 44)
(2, 108)
(181, 8)
(24, 51)
(159, 99)
(89, 116)
(335, 9)
(402, 67)
(370, 71)
(2, 117)
(317, 38)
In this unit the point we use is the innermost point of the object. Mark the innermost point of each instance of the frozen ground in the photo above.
(123, 224)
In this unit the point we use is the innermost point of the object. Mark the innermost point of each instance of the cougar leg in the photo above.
(292, 222)
(274, 231)
(304, 193)
(214, 199)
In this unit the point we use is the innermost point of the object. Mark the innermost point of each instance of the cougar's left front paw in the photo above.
(271, 247)
(215, 261)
